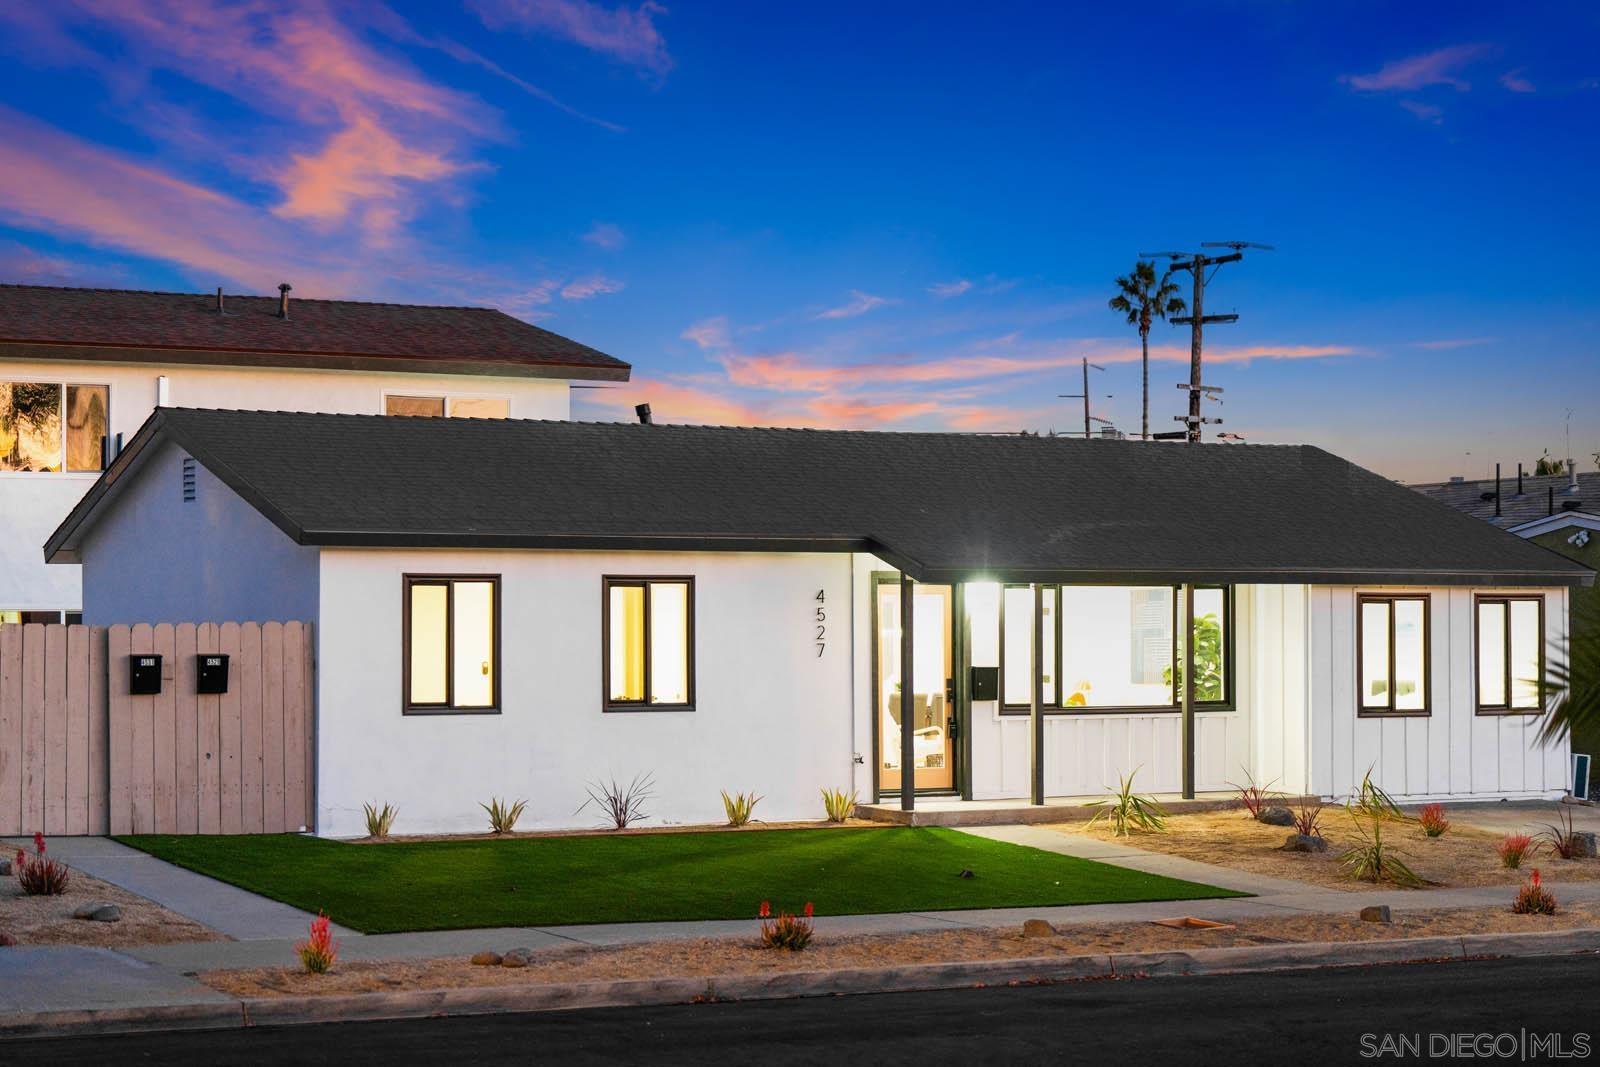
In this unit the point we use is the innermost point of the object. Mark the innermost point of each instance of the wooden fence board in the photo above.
(250, 766)
(33, 705)
(77, 755)
(295, 815)
(229, 724)
(208, 789)
(11, 729)
(80, 754)
(186, 709)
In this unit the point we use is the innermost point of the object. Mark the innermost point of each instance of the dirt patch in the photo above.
(1464, 856)
(735, 956)
(49, 921)
(635, 831)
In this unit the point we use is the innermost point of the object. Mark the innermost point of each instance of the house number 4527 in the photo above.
(820, 621)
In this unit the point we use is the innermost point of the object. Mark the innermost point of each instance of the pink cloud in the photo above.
(1438, 67)
(1446, 343)
(625, 34)
(1516, 83)
(859, 304)
(945, 290)
(606, 235)
(708, 333)
(1425, 112)
(592, 286)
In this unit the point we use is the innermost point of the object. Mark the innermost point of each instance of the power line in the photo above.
(1087, 418)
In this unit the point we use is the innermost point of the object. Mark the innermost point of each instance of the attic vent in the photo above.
(188, 477)
(1571, 505)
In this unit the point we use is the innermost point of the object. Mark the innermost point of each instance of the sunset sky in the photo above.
(889, 216)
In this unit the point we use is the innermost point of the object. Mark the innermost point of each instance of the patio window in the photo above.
(1392, 655)
(1510, 642)
(48, 427)
(648, 632)
(1116, 648)
(452, 643)
(458, 407)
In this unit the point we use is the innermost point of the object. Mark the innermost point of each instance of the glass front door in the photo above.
(930, 708)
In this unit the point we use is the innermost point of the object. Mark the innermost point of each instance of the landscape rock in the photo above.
(1304, 843)
(1276, 816)
(1037, 928)
(966, 873)
(486, 959)
(5, 868)
(517, 957)
(1583, 845)
(1376, 913)
(99, 912)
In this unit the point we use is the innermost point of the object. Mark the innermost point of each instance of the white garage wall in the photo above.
(1452, 753)
(771, 715)
(1278, 640)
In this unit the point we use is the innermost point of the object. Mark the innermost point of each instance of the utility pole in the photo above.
(1087, 418)
(1196, 263)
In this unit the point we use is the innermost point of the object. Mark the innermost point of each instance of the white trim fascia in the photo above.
(1559, 521)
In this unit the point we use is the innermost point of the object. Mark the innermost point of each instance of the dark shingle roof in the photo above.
(1535, 502)
(119, 324)
(942, 506)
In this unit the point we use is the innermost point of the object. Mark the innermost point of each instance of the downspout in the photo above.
(1036, 696)
(1188, 691)
(855, 694)
(908, 751)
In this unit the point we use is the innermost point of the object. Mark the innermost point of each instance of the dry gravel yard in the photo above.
(49, 921)
(729, 956)
(1462, 857)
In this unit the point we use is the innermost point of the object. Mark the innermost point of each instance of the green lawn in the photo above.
(542, 881)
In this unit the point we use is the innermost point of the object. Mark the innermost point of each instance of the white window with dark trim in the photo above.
(1510, 654)
(50, 427)
(1392, 661)
(452, 643)
(1116, 648)
(456, 407)
(648, 638)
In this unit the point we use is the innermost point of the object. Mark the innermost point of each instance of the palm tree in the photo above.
(1572, 683)
(1144, 300)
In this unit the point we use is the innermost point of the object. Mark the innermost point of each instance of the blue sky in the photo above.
(883, 216)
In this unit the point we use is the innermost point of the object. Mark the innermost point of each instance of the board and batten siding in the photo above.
(1451, 753)
(770, 714)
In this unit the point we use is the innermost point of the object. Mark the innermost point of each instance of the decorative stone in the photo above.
(1276, 816)
(1376, 913)
(1037, 928)
(5, 868)
(517, 957)
(1583, 845)
(486, 959)
(1304, 843)
(965, 873)
(100, 912)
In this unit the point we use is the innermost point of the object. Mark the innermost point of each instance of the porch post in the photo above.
(908, 700)
(1188, 691)
(1036, 696)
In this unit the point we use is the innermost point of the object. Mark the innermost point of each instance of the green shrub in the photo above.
(739, 806)
(503, 817)
(380, 820)
(838, 804)
(1129, 811)
(1372, 861)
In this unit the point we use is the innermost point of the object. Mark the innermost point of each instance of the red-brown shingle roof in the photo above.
(128, 325)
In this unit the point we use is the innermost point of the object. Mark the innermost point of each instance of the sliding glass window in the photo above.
(48, 427)
(1392, 661)
(648, 635)
(1117, 647)
(1510, 645)
(452, 643)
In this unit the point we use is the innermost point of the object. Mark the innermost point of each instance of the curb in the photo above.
(368, 1007)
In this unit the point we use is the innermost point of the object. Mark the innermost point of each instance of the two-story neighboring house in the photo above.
(82, 369)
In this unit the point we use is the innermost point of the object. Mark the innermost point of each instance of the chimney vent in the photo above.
(643, 411)
(283, 300)
(219, 301)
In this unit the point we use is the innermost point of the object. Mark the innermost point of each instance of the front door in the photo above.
(930, 707)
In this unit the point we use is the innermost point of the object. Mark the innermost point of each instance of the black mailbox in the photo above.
(144, 675)
(212, 675)
(985, 683)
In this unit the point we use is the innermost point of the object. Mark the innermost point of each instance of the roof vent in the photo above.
(283, 299)
(1571, 505)
(1485, 496)
(643, 411)
(219, 301)
(1456, 479)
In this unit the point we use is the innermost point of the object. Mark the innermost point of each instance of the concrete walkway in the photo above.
(265, 931)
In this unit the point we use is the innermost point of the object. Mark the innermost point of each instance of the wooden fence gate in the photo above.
(80, 755)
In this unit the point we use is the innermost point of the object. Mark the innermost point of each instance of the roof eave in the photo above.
(312, 360)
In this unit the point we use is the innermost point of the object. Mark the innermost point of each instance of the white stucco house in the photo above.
(515, 608)
(82, 369)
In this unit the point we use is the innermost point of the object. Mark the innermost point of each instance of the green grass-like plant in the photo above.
(380, 820)
(1128, 811)
(1370, 800)
(1373, 861)
(502, 816)
(739, 807)
(838, 804)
